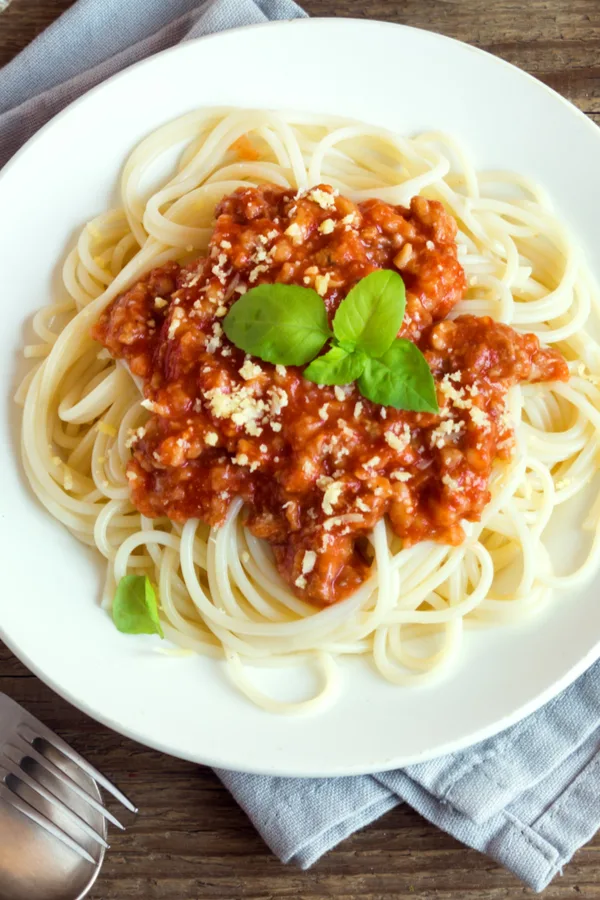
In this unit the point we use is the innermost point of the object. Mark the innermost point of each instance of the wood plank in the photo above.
(24, 20)
(190, 839)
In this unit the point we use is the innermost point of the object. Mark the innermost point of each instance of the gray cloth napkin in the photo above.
(96, 38)
(528, 797)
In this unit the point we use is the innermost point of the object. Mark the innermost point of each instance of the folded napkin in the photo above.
(96, 38)
(528, 797)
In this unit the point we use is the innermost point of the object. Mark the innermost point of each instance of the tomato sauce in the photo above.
(317, 466)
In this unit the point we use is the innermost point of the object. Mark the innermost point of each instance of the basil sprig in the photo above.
(287, 325)
(134, 609)
(370, 317)
(415, 389)
(280, 323)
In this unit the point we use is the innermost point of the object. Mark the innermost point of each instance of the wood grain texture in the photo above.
(190, 840)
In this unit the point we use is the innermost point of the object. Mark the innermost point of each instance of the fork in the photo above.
(24, 738)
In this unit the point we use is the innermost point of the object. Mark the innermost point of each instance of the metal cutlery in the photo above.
(53, 822)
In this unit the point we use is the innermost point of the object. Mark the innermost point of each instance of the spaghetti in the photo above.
(219, 589)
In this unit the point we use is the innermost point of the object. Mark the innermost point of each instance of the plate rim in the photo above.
(387, 765)
(302, 22)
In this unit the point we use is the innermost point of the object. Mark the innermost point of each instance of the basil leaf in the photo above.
(370, 316)
(400, 378)
(280, 323)
(134, 609)
(336, 367)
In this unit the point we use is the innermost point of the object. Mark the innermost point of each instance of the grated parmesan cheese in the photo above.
(262, 267)
(331, 496)
(240, 405)
(214, 342)
(480, 418)
(295, 232)
(241, 459)
(346, 431)
(400, 442)
(176, 319)
(324, 199)
(459, 399)
(250, 370)
(322, 283)
(218, 270)
(400, 475)
(308, 561)
(134, 437)
(327, 226)
(450, 482)
(444, 430)
(279, 399)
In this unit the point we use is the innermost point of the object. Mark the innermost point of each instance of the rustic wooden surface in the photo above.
(190, 840)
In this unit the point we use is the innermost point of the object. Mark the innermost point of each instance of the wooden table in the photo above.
(190, 840)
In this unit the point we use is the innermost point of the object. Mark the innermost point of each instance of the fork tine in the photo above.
(28, 733)
(21, 775)
(28, 810)
(23, 748)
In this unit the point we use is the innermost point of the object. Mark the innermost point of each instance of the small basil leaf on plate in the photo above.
(280, 323)
(135, 610)
(400, 378)
(335, 367)
(371, 314)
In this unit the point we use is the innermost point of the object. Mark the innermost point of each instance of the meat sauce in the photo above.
(317, 466)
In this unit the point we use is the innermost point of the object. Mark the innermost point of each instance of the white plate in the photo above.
(399, 77)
